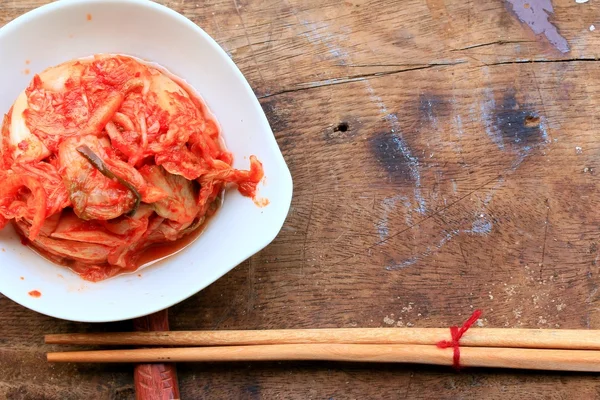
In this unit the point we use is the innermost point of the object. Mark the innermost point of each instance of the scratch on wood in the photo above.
(592, 294)
(428, 252)
(312, 205)
(494, 43)
(340, 236)
(543, 61)
(410, 65)
(410, 378)
(462, 253)
(355, 78)
(251, 293)
(223, 317)
(237, 9)
(488, 105)
(328, 39)
(537, 85)
(441, 210)
(480, 226)
(545, 237)
(388, 206)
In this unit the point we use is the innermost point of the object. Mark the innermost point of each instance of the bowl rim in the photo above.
(285, 200)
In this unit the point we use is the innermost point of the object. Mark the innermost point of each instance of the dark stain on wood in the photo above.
(390, 150)
(519, 124)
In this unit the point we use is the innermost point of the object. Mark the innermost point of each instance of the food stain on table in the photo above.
(519, 124)
(35, 293)
(536, 14)
(89, 17)
(392, 152)
(387, 146)
(513, 126)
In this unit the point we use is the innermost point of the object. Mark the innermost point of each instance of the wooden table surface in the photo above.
(445, 158)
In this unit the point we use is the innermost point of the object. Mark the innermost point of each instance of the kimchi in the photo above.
(103, 158)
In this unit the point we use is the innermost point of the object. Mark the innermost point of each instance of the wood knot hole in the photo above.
(342, 127)
(532, 121)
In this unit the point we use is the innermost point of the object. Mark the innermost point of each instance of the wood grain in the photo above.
(491, 357)
(424, 189)
(572, 339)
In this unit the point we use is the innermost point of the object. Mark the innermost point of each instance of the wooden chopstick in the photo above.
(538, 359)
(475, 337)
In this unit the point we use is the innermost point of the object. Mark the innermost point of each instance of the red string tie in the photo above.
(456, 333)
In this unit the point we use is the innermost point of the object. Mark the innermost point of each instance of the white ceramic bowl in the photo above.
(61, 31)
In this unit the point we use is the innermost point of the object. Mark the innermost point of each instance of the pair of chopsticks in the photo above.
(559, 350)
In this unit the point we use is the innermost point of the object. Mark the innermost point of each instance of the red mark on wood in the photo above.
(536, 14)
(155, 381)
(35, 293)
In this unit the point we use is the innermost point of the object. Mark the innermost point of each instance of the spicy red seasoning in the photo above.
(104, 158)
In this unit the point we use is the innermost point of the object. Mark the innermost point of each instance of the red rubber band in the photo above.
(456, 333)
